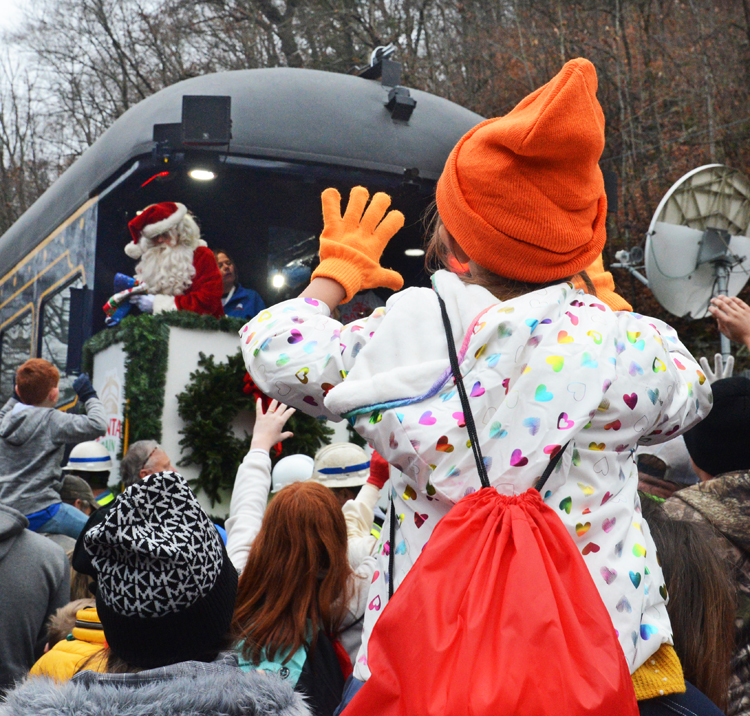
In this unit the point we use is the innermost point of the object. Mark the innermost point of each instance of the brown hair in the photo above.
(61, 623)
(34, 380)
(79, 582)
(437, 255)
(297, 575)
(113, 664)
(656, 464)
(226, 253)
(702, 601)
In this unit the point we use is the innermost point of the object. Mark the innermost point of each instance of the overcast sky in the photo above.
(10, 13)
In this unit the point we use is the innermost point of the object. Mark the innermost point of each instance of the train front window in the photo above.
(54, 329)
(15, 348)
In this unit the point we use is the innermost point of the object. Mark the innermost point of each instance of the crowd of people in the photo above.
(564, 527)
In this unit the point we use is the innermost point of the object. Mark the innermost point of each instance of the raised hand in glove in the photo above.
(145, 302)
(351, 245)
(721, 370)
(83, 388)
(380, 470)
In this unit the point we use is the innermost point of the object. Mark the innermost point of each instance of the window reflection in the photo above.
(55, 321)
(15, 348)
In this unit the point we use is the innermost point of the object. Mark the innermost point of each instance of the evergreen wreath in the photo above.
(208, 405)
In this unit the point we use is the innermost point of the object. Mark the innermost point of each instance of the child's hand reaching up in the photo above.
(733, 317)
(351, 245)
(269, 426)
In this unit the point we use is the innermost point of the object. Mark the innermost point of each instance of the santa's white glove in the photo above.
(720, 371)
(144, 302)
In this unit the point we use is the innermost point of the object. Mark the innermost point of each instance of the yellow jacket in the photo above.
(66, 657)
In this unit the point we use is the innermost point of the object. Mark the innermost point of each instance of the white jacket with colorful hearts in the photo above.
(543, 369)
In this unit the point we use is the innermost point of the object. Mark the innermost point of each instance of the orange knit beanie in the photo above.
(523, 194)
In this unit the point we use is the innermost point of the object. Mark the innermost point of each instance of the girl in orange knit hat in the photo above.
(521, 203)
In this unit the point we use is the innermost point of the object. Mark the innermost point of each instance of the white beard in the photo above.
(166, 269)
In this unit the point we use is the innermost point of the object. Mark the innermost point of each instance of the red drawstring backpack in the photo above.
(498, 616)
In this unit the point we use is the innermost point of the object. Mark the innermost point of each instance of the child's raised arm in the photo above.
(253, 481)
(295, 351)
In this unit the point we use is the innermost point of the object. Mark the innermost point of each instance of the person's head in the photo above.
(62, 622)
(37, 383)
(165, 585)
(290, 469)
(79, 582)
(143, 458)
(75, 491)
(702, 601)
(665, 468)
(521, 200)
(91, 461)
(165, 224)
(297, 574)
(227, 269)
(719, 444)
(343, 468)
(165, 237)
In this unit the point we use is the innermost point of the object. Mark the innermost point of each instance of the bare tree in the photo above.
(24, 167)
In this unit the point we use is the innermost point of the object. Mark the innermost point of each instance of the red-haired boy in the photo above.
(33, 436)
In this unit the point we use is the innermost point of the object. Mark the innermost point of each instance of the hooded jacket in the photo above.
(34, 583)
(32, 443)
(547, 368)
(64, 659)
(720, 508)
(190, 687)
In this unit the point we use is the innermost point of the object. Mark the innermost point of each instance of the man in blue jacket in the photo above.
(238, 301)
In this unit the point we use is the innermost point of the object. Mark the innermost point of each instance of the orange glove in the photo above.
(351, 246)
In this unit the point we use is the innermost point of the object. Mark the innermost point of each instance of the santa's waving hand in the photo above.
(176, 266)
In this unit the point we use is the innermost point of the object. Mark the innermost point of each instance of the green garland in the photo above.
(145, 340)
(208, 405)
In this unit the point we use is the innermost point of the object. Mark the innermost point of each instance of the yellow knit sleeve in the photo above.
(661, 674)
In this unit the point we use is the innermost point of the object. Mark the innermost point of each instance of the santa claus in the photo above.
(177, 268)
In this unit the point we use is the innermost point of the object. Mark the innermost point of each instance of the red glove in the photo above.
(380, 470)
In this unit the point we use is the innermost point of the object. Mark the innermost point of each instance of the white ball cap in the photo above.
(290, 469)
(90, 456)
(341, 465)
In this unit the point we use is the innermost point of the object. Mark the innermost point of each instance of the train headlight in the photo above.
(201, 174)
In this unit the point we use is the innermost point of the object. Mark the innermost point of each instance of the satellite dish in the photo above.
(697, 244)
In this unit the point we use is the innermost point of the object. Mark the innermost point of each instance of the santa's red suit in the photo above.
(204, 294)
(177, 268)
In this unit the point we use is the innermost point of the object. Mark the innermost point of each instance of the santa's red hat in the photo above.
(153, 221)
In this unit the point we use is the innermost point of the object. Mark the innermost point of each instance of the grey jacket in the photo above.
(34, 582)
(191, 688)
(32, 442)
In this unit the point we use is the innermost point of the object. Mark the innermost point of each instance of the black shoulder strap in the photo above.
(392, 547)
(459, 381)
(469, 417)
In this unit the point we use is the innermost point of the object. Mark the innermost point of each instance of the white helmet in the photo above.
(292, 468)
(341, 465)
(89, 457)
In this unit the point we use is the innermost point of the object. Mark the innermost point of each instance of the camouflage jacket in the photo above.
(721, 507)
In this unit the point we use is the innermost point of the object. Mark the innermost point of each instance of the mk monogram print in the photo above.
(158, 552)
